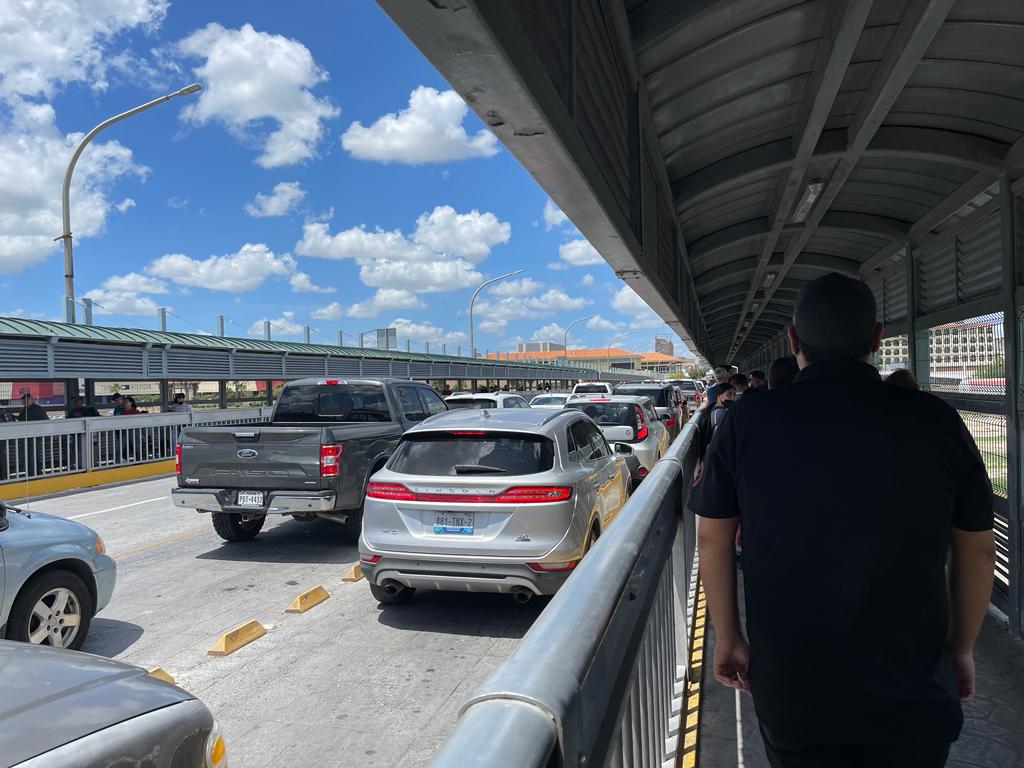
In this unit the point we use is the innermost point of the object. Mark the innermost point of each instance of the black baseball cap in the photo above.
(835, 312)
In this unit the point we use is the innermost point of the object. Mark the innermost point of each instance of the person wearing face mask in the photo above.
(726, 397)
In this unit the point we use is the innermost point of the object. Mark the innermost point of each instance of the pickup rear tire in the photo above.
(232, 527)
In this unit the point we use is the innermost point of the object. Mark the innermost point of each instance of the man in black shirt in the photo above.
(31, 410)
(857, 653)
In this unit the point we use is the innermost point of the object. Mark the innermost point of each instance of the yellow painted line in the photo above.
(687, 755)
(17, 489)
(308, 599)
(161, 674)
(161, 542)
(234, 639)
(354, 573)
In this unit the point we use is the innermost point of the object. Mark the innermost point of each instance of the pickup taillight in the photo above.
(330, 459)
(177, 459)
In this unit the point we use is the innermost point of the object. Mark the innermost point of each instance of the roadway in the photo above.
(367, 685)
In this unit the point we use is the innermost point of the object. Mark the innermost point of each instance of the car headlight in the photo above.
(216, 751)
(100, 546)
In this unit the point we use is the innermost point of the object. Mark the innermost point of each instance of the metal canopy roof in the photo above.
(900, 113)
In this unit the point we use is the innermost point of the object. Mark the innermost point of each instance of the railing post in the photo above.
(86, 457)
(1011, 340)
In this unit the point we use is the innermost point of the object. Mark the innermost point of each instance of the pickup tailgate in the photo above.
(260, 456)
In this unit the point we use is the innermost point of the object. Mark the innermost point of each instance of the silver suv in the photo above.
(489, 501)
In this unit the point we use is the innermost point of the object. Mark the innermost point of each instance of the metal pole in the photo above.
(341, 338)
(161, 315)
(444, 349)
(220, 325)
(565, 338)
(408, 345)
(69, 264)
(305, 334)
(426, 347)
(361, 335)
(266, 330)
(472, 301)
(87, 310)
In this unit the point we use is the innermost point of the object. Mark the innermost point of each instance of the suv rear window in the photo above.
(608, 414)
(658, 394)
(689, 386)
(487, 453)
(332, 403)
(590, 389)
(472, 403)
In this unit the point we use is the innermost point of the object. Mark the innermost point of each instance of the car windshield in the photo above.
(657, 394)
(608, 414)
(472, 453)
(332, 403)
(472, 403)
(590, 389)
(548, 400)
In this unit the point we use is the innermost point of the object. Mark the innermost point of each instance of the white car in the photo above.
(480, 400)
(550, 401)
(593, 388)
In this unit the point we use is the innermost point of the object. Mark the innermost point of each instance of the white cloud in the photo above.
(553, 215)
(587, 280)
(579, 253)
(626, 301)
(134, 283)
(51, 42)
(385, 299)
(429, 130)
(250, 77)
(549, 332)
(281, 200)
(332, 311)
(121, 303)
(598, 323)
(523, 287)
(420, 332)
(244, 270)
(33, 157)
(303, 283)
(124, 205)
(178, 203)
(438, 256)
(495, 314)
(284, 325)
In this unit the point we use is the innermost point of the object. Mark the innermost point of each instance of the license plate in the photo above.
(454, 522)
(250, 498)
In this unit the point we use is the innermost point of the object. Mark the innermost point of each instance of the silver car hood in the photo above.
(50, 697)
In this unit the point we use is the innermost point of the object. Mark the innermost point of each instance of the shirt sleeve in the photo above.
(715, 495)
(972, 509)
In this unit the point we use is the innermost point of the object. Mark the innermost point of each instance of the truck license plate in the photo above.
(250, 498)
(454, 522)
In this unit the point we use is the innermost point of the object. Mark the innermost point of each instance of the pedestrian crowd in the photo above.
(867, 546)
(121, 405)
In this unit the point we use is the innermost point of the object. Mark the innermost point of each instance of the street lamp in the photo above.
(472, 301)
(69, 266)
(565, 339)
(608, 347)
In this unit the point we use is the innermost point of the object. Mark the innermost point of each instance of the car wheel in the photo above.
(392, 594)
(233, 528)
(53, 608)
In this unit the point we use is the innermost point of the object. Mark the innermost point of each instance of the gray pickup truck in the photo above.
(313, 459)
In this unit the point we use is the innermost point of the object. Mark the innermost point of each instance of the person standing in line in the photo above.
(31, 410)
(782, 371)
(721, 375)
(726, 399)
(901, 377)
(118, 400)
(758, 381)
(179, 405)
(740, 383)
(853, 547)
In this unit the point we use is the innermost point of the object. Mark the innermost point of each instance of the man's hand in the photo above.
(963, 673)
(733, 658)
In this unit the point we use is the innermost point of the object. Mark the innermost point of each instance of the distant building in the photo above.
(955, 350)
(663, 344)
(661, 363)
(603, 357)
(539, 346)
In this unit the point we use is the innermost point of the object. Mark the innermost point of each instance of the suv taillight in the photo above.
(670, 422)
(177, 459)
(330, 463)
(641, 431)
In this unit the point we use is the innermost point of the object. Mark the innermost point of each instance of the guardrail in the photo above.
(35, 449)
(600, 678)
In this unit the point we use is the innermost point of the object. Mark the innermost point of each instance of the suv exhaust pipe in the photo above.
(392, 588)
(521, 595)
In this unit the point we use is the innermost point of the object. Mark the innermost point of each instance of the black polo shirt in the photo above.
(847, 489)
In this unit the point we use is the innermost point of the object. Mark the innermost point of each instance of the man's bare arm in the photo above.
(973, 556)
(716, 540)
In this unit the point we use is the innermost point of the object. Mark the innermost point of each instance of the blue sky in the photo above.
(325, 175)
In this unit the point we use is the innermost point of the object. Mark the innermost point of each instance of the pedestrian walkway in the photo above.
(992, 737)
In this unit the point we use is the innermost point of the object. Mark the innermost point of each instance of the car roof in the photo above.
(482, 395)
(348, 380)
(53, 697)
(635, 399)
(511, 419)
(644, 385)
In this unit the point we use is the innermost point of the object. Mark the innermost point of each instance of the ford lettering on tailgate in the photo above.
(248, 453)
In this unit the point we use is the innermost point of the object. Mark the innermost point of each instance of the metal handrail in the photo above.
(599, 676)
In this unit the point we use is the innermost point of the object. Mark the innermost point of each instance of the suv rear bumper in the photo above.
(276, 502)
(462, 576)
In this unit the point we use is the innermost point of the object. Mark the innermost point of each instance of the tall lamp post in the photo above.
(608, 346)
(565, 338)
(69, 264)
(472, 301)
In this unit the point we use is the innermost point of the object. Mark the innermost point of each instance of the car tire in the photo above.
(380, 594)
(232, 527)
(43, 591)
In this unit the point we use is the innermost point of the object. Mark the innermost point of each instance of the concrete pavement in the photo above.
(365, 685)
